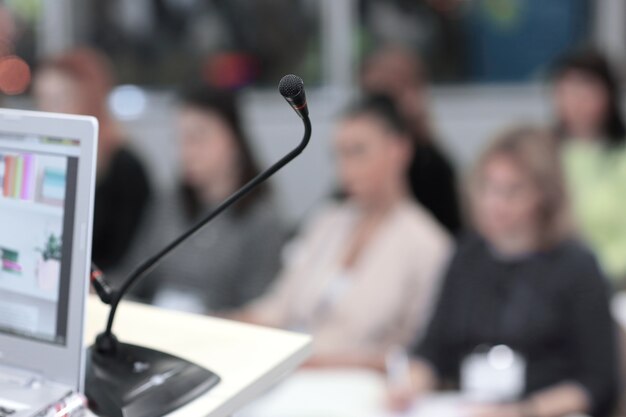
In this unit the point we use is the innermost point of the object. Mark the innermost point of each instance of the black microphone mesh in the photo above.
(290, 85)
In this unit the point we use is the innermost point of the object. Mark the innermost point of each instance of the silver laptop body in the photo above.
(47, 182)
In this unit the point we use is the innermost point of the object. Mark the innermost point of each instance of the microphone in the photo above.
(100, 284)
(292, 89)
(120, 376)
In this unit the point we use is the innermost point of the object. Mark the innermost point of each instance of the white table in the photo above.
(346, 393)
(249, 359)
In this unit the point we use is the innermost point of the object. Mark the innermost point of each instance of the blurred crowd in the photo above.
(517, 259)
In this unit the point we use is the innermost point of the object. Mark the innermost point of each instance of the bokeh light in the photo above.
(127, 102)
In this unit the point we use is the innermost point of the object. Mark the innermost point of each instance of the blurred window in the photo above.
(478, 41)
(228, 42)
(159, 43)
(20, 21)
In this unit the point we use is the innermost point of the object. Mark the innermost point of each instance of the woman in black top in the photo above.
(520, 281)
(79, 82)
(433, 183)
(397, 72)
(122, 197)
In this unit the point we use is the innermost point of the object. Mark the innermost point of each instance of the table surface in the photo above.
(359, 393)
(249, 359)
(347, 393)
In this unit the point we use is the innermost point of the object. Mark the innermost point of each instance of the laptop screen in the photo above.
(38, 177)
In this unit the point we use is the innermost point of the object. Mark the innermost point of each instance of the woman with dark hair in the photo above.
(202, 172)
(587, 98)
(398, 72)
(361, 276)
(232, 261)
(593, 137)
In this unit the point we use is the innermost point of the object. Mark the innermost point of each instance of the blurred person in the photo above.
(593, 134)
(361, 275)
(232, 261)
(7, 34)
(399, 73)
(15, 74)
(432, 27)
(7, 31)
(521, 285)
(79, 82)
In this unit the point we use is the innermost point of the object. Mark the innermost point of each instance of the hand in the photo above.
(493, 410)
(400, 398)
(355, 360)
(317, 361)
(333, 361)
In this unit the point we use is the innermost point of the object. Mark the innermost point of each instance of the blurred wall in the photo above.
(464, 117)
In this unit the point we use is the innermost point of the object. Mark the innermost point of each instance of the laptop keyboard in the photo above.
(6, 412)
(9, 408)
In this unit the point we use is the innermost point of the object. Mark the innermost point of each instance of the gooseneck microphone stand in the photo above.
(125, 380)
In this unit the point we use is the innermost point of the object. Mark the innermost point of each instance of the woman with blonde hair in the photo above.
(522, 326)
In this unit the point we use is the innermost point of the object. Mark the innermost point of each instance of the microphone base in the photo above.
(141, 382)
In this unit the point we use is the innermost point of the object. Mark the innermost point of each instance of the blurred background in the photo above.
(457, 72)
(493, 54)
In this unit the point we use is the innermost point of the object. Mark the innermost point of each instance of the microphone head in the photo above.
(292, 89)
(291, 86)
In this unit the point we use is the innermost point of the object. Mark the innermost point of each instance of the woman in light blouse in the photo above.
(361, 275)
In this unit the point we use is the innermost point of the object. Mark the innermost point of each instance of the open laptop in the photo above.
(47, 175)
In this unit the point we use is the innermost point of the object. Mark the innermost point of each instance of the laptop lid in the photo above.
(47, 177)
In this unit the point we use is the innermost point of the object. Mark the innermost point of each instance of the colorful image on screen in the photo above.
(33, 190)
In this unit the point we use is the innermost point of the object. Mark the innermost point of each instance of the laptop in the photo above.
(47, 176)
